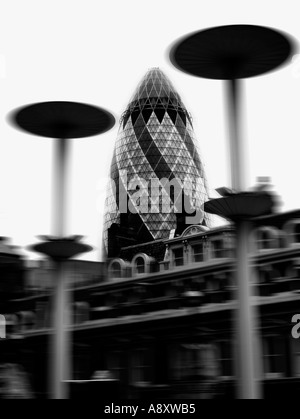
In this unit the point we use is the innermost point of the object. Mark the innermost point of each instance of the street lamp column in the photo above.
(62, 121)
(231, 53)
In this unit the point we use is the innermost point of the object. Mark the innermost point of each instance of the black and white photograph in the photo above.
(149, 207)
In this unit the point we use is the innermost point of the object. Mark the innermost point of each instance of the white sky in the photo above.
(96, 52)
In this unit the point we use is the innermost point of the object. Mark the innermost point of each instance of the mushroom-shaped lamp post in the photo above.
(61, 121)
(231, 53)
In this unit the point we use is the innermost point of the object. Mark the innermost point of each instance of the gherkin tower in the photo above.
(155, 142)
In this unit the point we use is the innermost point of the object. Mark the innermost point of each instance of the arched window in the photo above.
(268, 238)
(292, 229)
(118, 268)
(142, 263)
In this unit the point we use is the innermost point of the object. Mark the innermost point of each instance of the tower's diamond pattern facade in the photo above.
(155, 141)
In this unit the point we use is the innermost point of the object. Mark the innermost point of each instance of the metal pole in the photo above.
(247, 356)
(61, 342)
(237, 152)
(61, 149)
(60, 356)
(248, 385)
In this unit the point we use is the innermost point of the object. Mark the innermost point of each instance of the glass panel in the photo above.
(226, 361)
(115, 270)
(296, 357)
(297, 233)
(274, 356)
(140, 265)
(218, 248)
(142, 368)
(178, 257)
(198, 253)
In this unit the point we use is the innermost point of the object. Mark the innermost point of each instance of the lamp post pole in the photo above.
(61, 150)
(232, 53)
(246, 333)
(62, 121)
(236, 139)
(61, 357)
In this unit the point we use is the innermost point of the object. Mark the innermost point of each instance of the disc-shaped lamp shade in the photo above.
(231, 52)
(241, 206)
(61, 249)
(62, 119)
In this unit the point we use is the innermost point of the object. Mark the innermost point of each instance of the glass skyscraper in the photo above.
(155, 142)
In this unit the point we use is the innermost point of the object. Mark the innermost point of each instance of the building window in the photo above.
(81, 312)
(265, 240)
(81, 361)
(116, 270)
(230, 246)
(178, 257)
(114, 364)
(198, 252)
(297, 233)
(274, 356)
(174, 357)
(212, 284)
(12, 324)
(217, 249)
(209, 364)
(142, 366)
(42, 315)
(292, 229)
(119, 268)
(184, 359)
(225, 358)
(192, 360)
(268, 238)
(296, 357)
(27, 320)
(140, 265)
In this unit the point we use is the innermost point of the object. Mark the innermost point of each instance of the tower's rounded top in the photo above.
(155, 85)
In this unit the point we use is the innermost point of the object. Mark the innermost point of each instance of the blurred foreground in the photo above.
(159, 320)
